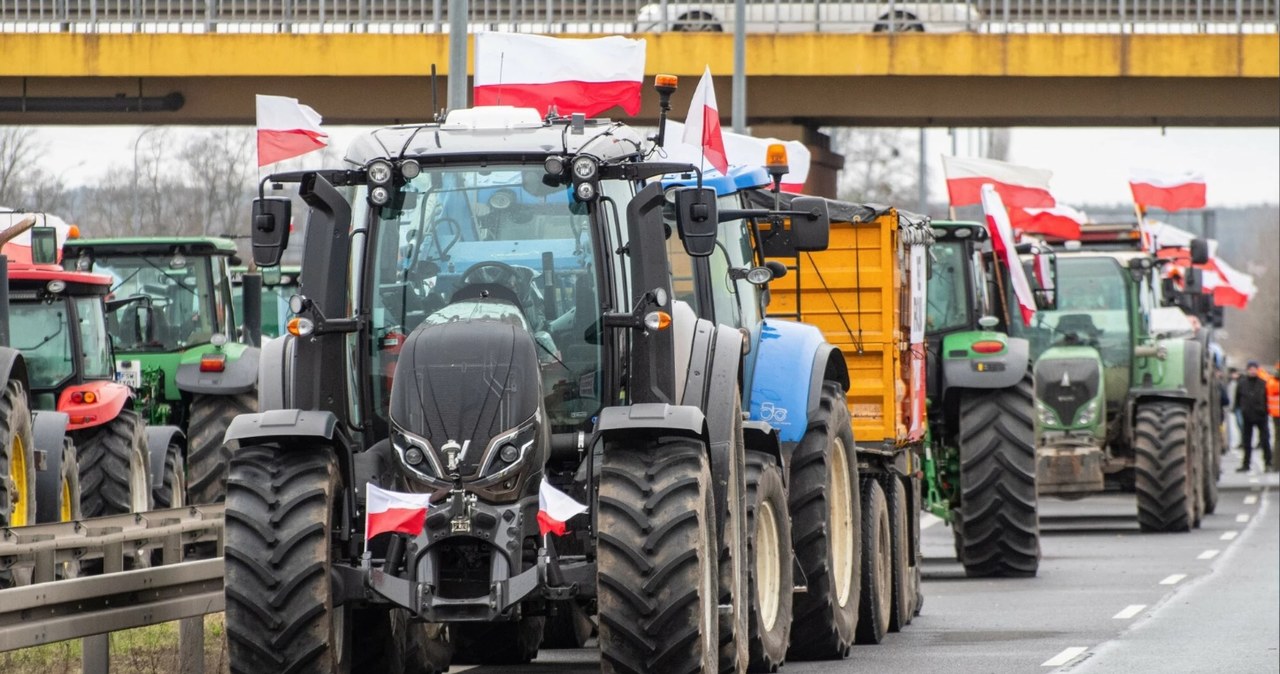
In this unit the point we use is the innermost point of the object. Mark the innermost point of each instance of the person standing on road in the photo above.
(1273, 407)
(1251, 403)
(1235, 422)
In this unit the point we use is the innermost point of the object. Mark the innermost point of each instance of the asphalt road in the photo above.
(1107, 598)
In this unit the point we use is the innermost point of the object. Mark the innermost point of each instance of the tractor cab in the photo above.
(278, 285)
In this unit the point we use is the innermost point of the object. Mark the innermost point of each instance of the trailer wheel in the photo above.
(998, 531)
(825, 511)
(657, 558)
(17, 458)
(877, 564)
(497, 643)
(113, 467)
(771, 566)
(1163, 475)
(207, 456)
(172, 492)
(903, 569)
(279, 596)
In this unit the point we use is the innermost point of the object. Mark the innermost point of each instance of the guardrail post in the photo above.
(191, 645)
(97, 648)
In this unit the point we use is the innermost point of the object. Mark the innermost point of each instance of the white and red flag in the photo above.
(1061, 221)
(744, 150)
(1018, 186)
(1002, 242)
(1168, 192)
(540, 72)
(287, 129)
(387, 511)
(18, 249)
(555, 508)
(702, 126)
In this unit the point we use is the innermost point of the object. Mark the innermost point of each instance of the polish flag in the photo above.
(387, 511)
(744, 150)
(18, 249)
(540, 72)
(1002, 242)
(1228, 286)
(287, 129)
(1168, 192)
(1019, 186)
(702, 127)
(555, 508)
(1061, 221)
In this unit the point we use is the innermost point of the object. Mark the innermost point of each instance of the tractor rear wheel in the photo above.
(172, 491)
(113, 467)
(207, 455)
(877, 564)
(388, 640)
(17, 458)
(770, 589)
(998, 531)
(280, 613)
(657, 570)
(568, 626)
(904, 567)
(825, 509)
(1163, 474)
(497, 643)
(1211, 461)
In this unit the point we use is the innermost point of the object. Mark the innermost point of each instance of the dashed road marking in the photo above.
(927, 520)
(1254, 480)
(1067, 655)
(1242, 517)
(1208, 554)
(1174, 579)
(1229, 536)
(1129, 612)
(1250, 499)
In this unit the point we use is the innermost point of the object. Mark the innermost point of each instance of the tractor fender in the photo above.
(158, 440)
(648, 420)
(111, 398)
(281, 425)
(275, 371)
(780, 395)
(1176, 375)
(759, 436)
(49, 430)
(983, 371)
(240, 374)
(13, 366)
(713, 381)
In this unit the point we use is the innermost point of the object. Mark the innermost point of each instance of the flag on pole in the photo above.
(1018, 186)
(702, 126)
(287, 129)
(387, 511)
(540, 72)
(1061, 221)
(1168, 192)
(744, 150)
(1002, 242)
(555, 508)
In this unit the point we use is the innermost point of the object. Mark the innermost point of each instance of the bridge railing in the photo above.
(639, 16)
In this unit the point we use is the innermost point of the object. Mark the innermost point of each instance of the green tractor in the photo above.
(176, 341)
(1121, 405)
(981, 472)
(278, 285)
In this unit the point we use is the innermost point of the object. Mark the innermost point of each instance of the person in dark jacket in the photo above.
(1251, 402)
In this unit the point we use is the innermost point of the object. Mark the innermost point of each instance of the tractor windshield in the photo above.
(1093, 309)
(455, 236)
(44, 339)
(950, 302)
(94, 343)
(182, 311)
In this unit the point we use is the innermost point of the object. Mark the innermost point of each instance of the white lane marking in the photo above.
(1253, 480)
(1174, 579)
(456, 669)
(1067, 655)
(1229, 536)
(1208, 554)
(1242, 517)
(1250, 499)
(1129, 611)
(927, 520)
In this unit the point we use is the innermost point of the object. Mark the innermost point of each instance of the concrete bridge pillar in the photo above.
(825, 165)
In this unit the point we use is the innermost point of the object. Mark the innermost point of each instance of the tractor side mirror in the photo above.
(812, 231)
(1045, 277)
(144, 323)
(44, 245)
(271, 217)
(697, 220)
(1199, 251)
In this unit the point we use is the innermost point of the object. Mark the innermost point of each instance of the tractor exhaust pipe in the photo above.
(251, 290)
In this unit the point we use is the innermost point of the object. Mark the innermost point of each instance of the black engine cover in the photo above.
(1082, 376)
(466, 382)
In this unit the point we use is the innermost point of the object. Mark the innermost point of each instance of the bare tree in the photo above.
(879, 164)
(18, 148)
(219, 179)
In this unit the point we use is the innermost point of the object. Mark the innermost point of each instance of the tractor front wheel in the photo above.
(113, 467)
(1163, 472)
(17, 458)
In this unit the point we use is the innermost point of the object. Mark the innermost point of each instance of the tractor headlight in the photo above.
(410, 168)
(379, 196)
(379, 171)
(416, 454)
(1089, 415)
(1045, 414)
(585, 191)
(585, 168)
(507, 452)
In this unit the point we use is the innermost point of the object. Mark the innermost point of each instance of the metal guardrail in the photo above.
(631, 16)
(53, 609)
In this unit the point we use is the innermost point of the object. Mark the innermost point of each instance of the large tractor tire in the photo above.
(877, 564)
(568, 626)
(17, 458)
(771, 566)
(207, 455)
(68, 499)
(998, 528)
(279, 594)
(498, 643)
(388, 640)
(1210, 461)
(904, 567)
(826, 508)
(732, 541)
(172, 491)
(1163, 473)
(657, 563)
(113, 467)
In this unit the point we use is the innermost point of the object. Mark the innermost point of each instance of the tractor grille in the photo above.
(1082, 376)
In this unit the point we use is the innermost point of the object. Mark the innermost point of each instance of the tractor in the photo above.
(175, 337)
(486, 308)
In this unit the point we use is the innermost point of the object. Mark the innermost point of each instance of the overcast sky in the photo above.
(1090, 166)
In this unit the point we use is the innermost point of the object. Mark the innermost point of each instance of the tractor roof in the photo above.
(159, 245)
(496, 130)
(79, 282)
